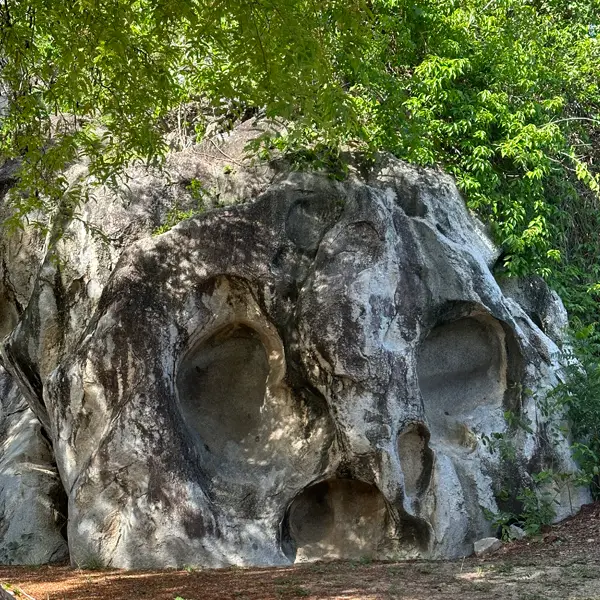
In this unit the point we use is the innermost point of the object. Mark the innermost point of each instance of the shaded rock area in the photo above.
(304, 372)
(33, 504)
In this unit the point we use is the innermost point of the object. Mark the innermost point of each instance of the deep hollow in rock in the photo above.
(464, 366)
(416, 458)
(221, 388)
(337, 518)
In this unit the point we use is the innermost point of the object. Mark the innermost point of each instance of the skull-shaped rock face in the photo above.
(307, 376)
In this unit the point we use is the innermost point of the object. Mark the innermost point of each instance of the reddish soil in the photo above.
(563, 563)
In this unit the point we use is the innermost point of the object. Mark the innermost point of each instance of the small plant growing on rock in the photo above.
(92, 562)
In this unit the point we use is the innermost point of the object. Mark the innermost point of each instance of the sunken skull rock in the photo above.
(307, 375)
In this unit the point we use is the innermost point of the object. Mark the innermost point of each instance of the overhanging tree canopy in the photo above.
(503, 94)
(119, 67)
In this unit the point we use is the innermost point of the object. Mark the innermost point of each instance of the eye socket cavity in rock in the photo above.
(468, 369)
(243, 420)
(222, 385)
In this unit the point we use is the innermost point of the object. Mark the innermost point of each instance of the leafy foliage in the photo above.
(536, 499)
(503, 94)
(579, 397)
(537, 509)
(538, 506)
(571, 408)
(97, 80)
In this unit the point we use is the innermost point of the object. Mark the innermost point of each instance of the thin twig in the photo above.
(488, 5)
(235, 162)
(595, 121)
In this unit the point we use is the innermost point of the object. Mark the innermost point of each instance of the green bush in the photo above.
(579, 397)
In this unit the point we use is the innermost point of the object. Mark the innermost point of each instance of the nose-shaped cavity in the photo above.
(416, 459)
(222, 385)
(337, 518)
(466, 368)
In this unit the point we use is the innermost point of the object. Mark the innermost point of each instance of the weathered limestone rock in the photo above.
(542, 305)
(33, 507)
(306, 375)
(33, 503)
(516, 533)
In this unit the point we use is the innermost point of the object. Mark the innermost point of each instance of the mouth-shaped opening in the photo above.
(336, 518)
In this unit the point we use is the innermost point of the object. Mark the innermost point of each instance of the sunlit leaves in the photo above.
(119, 67)
(504, 95)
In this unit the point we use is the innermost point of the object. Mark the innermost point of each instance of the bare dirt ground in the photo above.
(563, 563)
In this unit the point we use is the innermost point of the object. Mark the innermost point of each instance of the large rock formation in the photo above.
(307, 374)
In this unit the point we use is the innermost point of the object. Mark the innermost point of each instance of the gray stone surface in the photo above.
(542, 305)
(487, 545)
(308, 374)
(32, 500)
(516, 533)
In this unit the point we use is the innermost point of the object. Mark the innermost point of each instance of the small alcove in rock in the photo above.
(336, 518)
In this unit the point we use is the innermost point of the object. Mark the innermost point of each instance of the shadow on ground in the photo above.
(561, 564)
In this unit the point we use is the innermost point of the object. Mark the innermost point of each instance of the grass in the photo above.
(504, 568)
(579, 571)
(92, 562)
